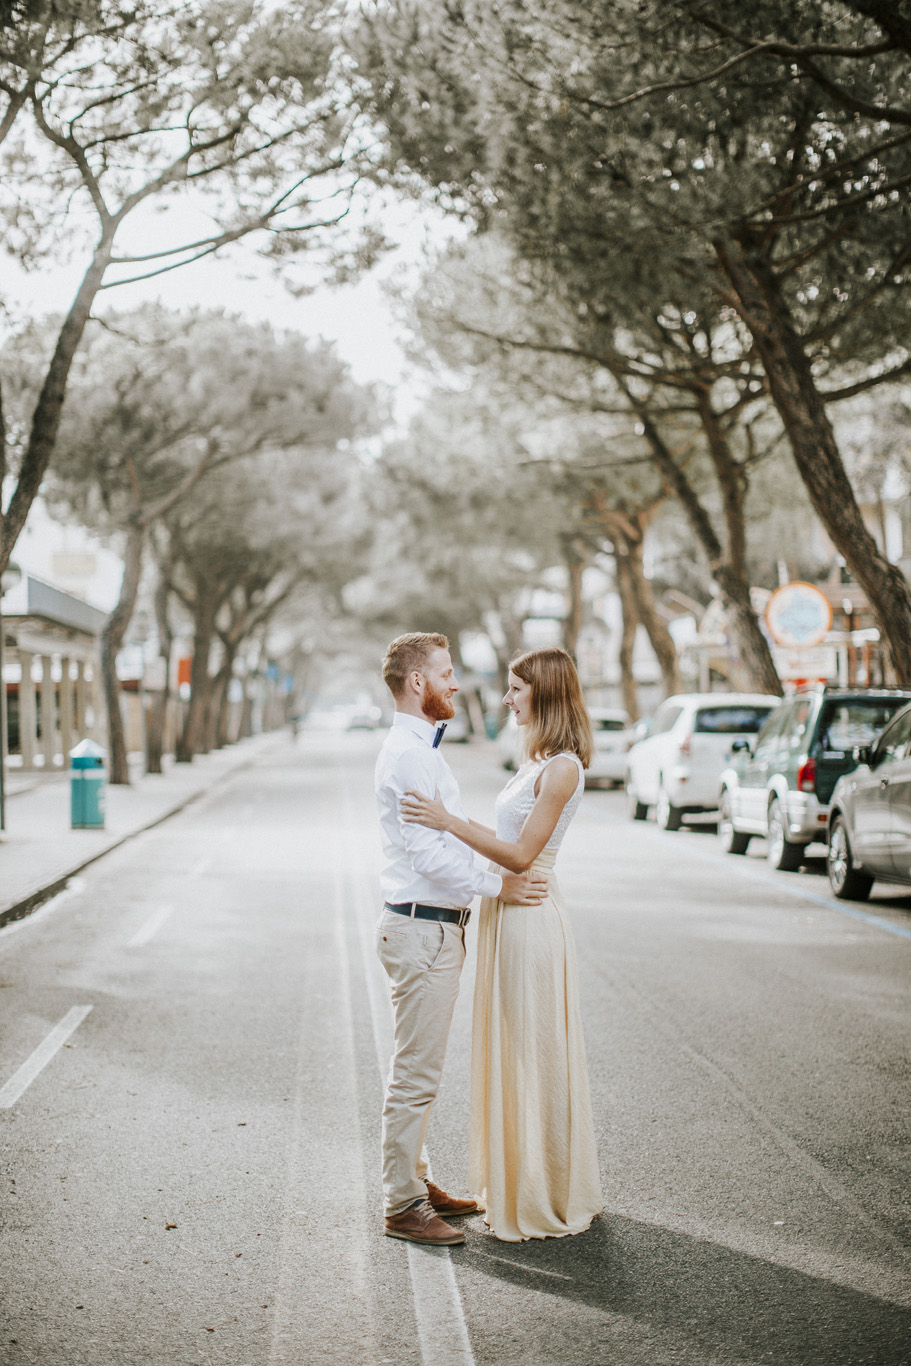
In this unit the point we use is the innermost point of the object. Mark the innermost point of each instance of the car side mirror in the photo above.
(741, 747)
(862, 754)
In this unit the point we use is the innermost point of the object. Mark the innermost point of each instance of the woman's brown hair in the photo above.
(559, 718)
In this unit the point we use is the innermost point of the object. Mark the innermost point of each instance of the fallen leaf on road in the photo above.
(170, 1225)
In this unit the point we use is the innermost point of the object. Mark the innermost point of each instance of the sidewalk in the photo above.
(39, 851)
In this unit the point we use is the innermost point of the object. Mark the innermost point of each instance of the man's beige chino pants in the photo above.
(423, 961)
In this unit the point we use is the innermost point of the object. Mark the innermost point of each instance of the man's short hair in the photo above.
(407, 653)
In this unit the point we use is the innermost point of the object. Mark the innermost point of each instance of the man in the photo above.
(428, 879)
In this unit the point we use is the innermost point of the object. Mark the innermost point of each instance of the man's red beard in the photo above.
(437, 706)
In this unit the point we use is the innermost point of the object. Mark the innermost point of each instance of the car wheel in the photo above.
(637, 810)
(847, 882)
(783, 853)
(732, 841)
(668, 816)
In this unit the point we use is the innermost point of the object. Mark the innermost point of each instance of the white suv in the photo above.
(677, 764)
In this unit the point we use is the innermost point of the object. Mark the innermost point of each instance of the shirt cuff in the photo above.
(491, 885)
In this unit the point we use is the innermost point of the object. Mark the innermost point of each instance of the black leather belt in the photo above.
(419, 912)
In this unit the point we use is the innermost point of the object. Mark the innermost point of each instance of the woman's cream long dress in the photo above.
(533, 1161)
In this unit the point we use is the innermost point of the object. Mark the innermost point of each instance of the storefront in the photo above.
(51, 695)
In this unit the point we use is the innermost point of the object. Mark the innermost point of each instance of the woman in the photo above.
(532, 1159)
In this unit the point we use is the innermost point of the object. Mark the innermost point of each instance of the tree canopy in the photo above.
(648, 155)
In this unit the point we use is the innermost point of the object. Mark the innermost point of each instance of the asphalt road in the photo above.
(193, 1174)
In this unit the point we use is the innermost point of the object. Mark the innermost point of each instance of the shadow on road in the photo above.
(729, 1305)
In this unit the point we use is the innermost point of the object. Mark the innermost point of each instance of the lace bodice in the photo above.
(515, 802)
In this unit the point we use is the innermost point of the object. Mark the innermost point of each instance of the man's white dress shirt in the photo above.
(429, 866)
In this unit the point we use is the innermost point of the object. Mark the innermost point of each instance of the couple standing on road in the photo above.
(533, 1163)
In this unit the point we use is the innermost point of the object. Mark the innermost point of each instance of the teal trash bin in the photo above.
(87, 786)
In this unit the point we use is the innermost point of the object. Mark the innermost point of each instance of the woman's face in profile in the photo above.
(518, 699)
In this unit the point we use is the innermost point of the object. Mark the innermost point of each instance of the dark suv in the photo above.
(780, 786)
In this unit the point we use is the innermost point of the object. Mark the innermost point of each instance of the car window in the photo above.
(855, 721)
(664, 719)
(730, 720)
(892, 745)
(604, 724)
(774, 725)
(797, 726)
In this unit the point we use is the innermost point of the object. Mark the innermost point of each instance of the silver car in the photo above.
(870, 816)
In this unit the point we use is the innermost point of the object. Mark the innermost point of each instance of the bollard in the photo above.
(87, 786)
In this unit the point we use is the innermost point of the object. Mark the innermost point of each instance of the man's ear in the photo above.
(416, 679)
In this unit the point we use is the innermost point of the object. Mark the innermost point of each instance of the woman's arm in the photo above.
(555, 787)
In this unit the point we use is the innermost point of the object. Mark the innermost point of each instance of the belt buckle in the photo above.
(464, 916)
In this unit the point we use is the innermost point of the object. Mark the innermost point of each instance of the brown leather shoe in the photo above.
(448, 1204)
(420, 1225)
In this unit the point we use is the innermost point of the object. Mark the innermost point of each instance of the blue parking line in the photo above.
(877, 921)
(755, 875)
(830, 903)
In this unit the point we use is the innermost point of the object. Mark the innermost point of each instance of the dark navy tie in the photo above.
(439, 735)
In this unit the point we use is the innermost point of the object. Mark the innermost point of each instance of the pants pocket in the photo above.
(433, 942)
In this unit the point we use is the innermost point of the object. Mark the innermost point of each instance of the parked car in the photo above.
(676, 767)
(869, 826)
(780, 787)
(613, 737)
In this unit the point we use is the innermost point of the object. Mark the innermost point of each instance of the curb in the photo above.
(19, 910)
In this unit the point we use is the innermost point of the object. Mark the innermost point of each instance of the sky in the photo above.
(358, 318)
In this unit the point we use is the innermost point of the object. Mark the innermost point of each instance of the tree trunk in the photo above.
(111, 642)
(727, 566)
(660, 637)
(193, 739)
(572, 625)
(46, 417)
(220, 697)
(158, 711)
(628, 638)
(755, 654)
(245, 729)
(156, 719)
(816, 454)
(729, 570)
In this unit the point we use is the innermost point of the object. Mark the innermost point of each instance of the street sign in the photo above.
(816, 664)
(798, 614)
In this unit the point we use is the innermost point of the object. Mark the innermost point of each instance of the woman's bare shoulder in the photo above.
(560, 777)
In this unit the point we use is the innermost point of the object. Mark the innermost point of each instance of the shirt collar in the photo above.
(425, 730)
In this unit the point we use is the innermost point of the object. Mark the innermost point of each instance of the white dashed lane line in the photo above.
(151, 927)
(33, 1065)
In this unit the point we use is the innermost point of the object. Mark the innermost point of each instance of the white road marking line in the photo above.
(442, 1330)
(151, 927)
(21, 1080)
(288, 1341)
(439, 1313)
